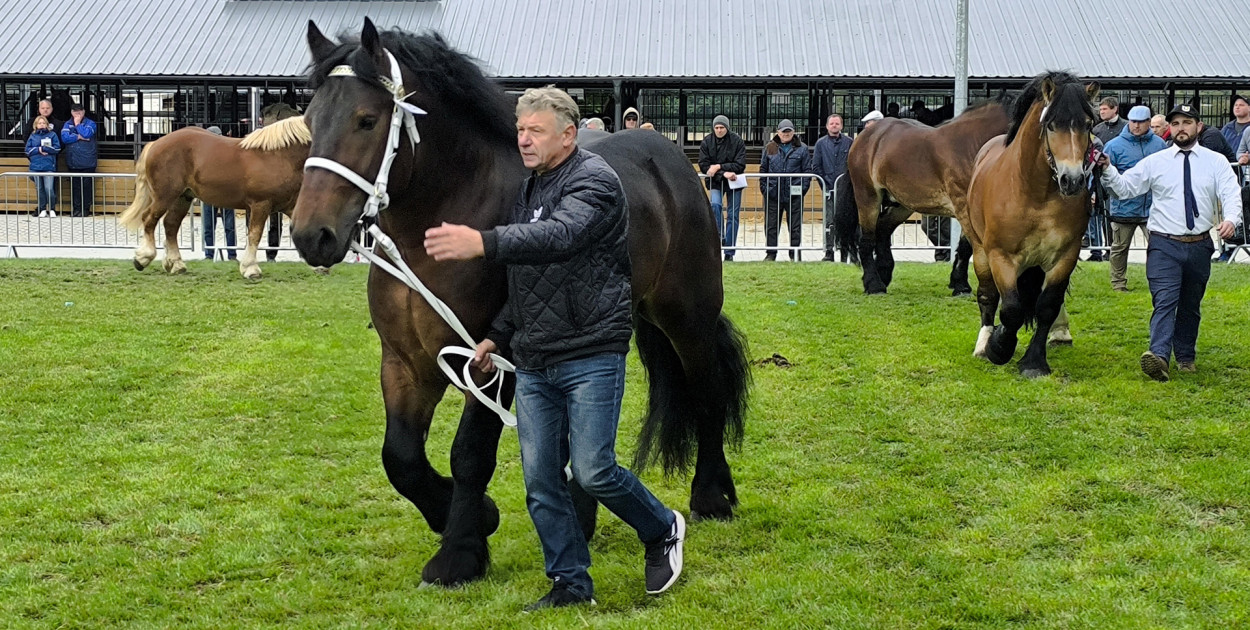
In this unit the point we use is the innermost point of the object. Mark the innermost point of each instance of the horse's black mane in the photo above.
(440, 69)
(1069, 108)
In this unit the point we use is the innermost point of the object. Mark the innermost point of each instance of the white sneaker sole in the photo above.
(675, 559)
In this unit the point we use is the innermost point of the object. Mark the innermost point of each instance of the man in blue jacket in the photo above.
(1134, 143)
(81, 155)
(785, 154)
(829, 161)
(1237, 127)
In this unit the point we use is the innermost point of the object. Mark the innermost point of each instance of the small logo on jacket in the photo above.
(537, 214)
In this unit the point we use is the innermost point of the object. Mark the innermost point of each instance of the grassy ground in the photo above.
(203, 452)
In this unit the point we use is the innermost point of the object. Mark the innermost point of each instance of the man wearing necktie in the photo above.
(1186, 181)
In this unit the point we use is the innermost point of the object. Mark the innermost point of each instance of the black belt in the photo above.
(1184, 238)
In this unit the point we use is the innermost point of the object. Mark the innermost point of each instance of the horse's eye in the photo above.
(367, 123)
(1051, 127)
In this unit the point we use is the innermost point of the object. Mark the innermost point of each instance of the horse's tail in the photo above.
(1029, 285)
(680, 412)
(133, 217)
(845, 218)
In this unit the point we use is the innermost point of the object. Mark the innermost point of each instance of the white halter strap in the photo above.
(404, 116)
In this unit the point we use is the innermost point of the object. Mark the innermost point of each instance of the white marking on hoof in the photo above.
(144, 257)
(321, 271)
(1061, 336)
(983, 342)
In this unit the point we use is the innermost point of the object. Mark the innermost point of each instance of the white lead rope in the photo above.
(463, 380)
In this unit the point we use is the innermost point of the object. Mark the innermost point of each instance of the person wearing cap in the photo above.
(1133, 144)
(631, 117)
(81, 156)
(1234, 129)
(1112, 124)
(722, 156)
(871, 117)
(208, 219)
(784, 154)
(829, 161)
(1186, 181)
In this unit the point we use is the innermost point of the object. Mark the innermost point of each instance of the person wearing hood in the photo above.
(784, 154)
(42, 147)
(631, 118)
(722, 158)
(1134, 143)
(829, 161)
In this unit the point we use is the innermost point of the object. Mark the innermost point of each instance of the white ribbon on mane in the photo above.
(404, 115)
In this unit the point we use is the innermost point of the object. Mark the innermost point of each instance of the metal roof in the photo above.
(656, 39)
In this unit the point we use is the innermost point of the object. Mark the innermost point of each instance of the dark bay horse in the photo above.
(466, 169)
(260, 172)
(1028, 206)
(897, 167)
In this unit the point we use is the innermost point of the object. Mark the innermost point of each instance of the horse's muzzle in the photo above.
(320, 246)
(1071, 185)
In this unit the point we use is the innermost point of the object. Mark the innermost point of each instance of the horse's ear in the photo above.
(1092, 89)
(320, 45)
(370, 40)
(1048, 90)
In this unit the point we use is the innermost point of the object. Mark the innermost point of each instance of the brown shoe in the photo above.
(1186, 366)
(1120, 289)
(1154, 366)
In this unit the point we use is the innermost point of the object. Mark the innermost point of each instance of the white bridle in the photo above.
(404, 116)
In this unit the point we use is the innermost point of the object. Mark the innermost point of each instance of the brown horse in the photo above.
(897, 167)
(1028, 206)
(261, 172)
(466, 170)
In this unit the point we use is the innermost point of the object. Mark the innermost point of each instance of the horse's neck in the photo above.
(1029, 152)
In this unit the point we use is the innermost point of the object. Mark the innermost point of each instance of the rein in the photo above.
(404, 115)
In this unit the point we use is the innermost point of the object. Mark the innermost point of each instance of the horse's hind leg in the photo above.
(959, 269)
(885, 242)
(173, 223)
(868, 202)
(257, 215)
(145, 253)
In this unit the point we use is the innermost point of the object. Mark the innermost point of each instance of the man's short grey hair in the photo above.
(550, 99)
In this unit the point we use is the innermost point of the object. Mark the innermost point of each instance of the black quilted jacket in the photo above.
(568, 265)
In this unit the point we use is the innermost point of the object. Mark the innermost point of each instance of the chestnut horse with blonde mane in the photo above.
(897, 167)
(1028, 206)
(261, 172)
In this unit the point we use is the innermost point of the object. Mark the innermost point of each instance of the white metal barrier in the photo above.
(777, 213)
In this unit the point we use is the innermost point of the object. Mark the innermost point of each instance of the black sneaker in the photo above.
(559, 597)
(664, 557)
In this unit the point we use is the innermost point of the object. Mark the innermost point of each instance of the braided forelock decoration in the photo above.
(438, 69)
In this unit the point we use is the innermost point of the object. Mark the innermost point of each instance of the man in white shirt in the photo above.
(1186, 181)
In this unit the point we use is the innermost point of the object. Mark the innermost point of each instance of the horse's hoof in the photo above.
(252, 274)
(1059, 342)
(1034, 372)
(321, 271)
(174, 267)
(457, 563)
(874, 289)
(959, 291)
(712, 502)
(139, 266)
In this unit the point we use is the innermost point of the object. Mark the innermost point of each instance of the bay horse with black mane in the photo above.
(897, 167)
(1028, 206)
(466, 170)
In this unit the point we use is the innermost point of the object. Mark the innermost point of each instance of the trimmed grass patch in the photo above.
(201, 451)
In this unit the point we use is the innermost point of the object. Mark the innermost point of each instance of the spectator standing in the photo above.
(42, 147)
(1234, 129)
(1128, 215)
(722, 157)
(785, 153)
(829, 162)
(1112, 124)
(1211, 138)
(1186, 181)
(1159, 125)
(81, 156)
(631, 117)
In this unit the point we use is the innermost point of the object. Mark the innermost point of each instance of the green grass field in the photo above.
(203, 452)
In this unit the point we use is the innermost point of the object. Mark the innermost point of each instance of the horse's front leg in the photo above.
(173, 222)
(987, 301)
(1049, 305)
(1011, 314)
(257, 215)
(465, 555)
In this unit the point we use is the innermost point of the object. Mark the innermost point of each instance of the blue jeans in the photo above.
(1178, 274)
(45, 188)
(727, 223)
(209, 221)
(568, 412)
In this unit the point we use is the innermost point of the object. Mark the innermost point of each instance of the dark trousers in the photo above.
(938, 229)
(81, 192)
(792, 207)
(275, 235)
(1178, 274)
